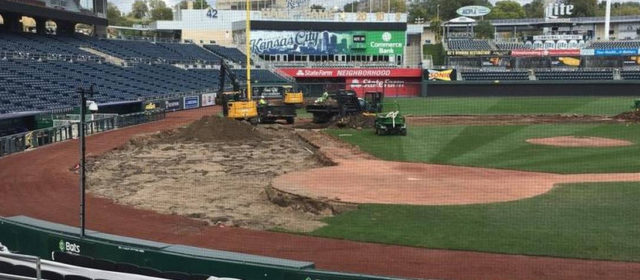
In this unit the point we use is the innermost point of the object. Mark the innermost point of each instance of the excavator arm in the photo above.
(226, 72)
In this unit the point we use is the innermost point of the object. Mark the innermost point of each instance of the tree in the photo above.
(535, 9)
(198, 4)
(507, 10)
(436, 26)
(139, 9)
(317, 7)
(583, 8)
(159, 10)
(351, 7)
(484, 30)
(620, 9)
(113, 13)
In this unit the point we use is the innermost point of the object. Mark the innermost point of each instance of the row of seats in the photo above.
(70, 45)
(232, 54)
(574, 75)
(32, 85)
(494, 75)
(468, 44)
(26, 271)
(615, 44)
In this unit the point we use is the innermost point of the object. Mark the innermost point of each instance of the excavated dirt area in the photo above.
(572, 141)
(216, 170)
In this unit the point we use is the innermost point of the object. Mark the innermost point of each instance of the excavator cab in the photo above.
(291, 97)
(237, 104)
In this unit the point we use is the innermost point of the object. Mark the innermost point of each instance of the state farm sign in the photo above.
(351, 72)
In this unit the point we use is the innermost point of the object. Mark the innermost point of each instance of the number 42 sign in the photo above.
(212, 13)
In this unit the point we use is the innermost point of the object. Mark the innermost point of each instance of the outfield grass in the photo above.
(510, 105)
(504, 147)
(594, 221)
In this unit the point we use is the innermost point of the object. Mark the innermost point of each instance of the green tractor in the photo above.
(391, 123)
(636, 105)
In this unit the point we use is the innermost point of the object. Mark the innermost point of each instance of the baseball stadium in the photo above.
(319, 140)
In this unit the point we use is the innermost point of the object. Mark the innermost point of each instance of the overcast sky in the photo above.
(125, 5)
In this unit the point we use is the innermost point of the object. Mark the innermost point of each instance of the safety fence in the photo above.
(22, 141)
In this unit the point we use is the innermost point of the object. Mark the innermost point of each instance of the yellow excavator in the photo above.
(236, 104)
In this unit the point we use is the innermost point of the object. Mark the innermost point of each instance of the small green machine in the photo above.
(636, 105)
(391, 123)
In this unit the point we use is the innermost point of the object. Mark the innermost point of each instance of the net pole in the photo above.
(248, 47)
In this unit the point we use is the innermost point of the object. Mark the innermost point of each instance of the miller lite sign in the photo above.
(554, 10)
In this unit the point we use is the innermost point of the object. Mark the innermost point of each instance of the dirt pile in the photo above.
(355, 121)
(633, 116)
(215, 128)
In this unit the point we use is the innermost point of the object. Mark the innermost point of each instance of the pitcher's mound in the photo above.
(572, 141)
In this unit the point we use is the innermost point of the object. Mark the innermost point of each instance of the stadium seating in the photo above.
(232, 54)
(575, 75)
(630, 74)
(468, 44)
(494, 75)
(615, 45)
(511, 46)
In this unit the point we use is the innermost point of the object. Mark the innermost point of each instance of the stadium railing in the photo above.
(22, 141)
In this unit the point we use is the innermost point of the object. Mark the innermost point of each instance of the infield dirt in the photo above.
(214, 170)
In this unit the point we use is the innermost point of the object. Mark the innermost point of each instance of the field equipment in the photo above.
(236, 104)
(636, 104)
(392, 123)
(277, 102)
(344, 103)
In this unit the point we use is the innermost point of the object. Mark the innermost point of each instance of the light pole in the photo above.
(81, 130)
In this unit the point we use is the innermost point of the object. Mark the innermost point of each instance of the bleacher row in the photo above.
(476, 44)
(547, 75)
(32, 85)
(42, 72)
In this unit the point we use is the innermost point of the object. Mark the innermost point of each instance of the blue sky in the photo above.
(125, 5)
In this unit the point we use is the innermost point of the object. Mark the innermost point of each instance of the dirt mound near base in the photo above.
(633, 116)
(572, 141)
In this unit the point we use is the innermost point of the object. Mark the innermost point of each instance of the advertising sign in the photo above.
(208, 99)
(173, 104)
(473, 11)
(615, 52)
(191, 102)
(390, 87)
(328, 42)
(444, 75)
(352, 72)
(468, 53)
(556, 52)
(557, 37)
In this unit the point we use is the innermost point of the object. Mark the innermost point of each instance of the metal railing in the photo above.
(22, 141)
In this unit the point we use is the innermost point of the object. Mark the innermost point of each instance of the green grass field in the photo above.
(594, 221)
(510, 105)
(504, 147)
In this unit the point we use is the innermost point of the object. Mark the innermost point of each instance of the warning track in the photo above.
(38, 184)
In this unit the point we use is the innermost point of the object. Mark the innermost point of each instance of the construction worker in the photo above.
(323, 98)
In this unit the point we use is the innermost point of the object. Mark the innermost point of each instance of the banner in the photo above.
(208, 99)
(615, 52)
(468, 53)
(555, 52)
(173, 104)
(328, 42)
(352, 72)
(444, 75)
(390, 87)
(191, 102)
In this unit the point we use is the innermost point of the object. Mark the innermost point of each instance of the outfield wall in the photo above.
(529, 88)
(53, 241)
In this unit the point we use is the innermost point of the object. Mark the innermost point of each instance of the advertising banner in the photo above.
(352, 72)
(615, 52)
(328, 42)
(191, 102)
(173, 104)
(390, 87)
(555, 52)
(468, 53)
(208, 99)
(443, 75)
